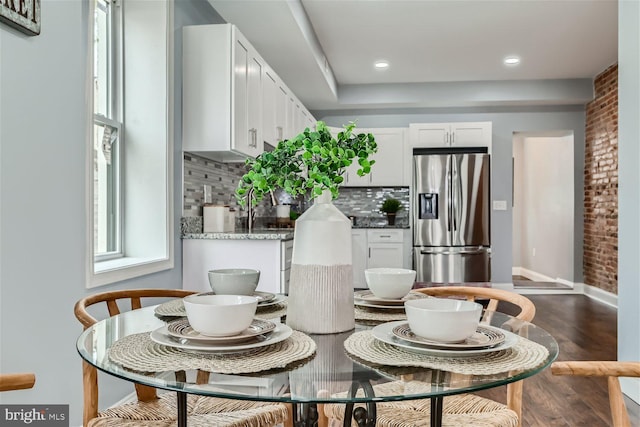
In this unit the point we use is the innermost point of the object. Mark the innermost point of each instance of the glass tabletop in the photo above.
(325, 377)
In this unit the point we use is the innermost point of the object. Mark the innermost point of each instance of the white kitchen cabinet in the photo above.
(446, 135)
(269, 107)
(222, 93)
(385, 247)
(359, 257)
(271, 257)
(390, 160)
(373, 248)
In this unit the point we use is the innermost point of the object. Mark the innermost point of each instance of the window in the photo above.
(107, 130)
(130, 230)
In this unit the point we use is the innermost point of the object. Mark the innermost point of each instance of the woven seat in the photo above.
(152, 410)
(202, 411)
(458, 410)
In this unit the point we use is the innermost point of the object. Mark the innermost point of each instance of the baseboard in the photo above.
(565, 282)
(569, 291)
(601, 295)
(516, 271)
(534, 276)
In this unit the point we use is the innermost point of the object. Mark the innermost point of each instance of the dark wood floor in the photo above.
(585, 330)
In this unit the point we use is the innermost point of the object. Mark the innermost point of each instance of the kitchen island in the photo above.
(267, 250)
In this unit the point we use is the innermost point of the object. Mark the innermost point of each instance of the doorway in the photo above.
(543, 211)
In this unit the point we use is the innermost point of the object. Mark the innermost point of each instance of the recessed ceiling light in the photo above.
(381, 65)
(512, 60)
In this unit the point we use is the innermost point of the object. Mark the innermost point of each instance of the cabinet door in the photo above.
(429, 134)
(351, 178)
(385, 255)
(476, 134)
(281, 112)
(270, 90)
(241, 137)
(389, 166)
(254, 110)
(359, 257)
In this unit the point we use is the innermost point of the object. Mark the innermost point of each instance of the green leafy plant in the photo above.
(391, 205)
(310, 162)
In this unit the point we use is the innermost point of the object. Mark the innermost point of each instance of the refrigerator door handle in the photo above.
(448, 189)
(461, 252)
(456, 183)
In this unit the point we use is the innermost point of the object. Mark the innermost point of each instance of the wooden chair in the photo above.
(465, 409)
(154, 410)
(610, 369)
(20, 381)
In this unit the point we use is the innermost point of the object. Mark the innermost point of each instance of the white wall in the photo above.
(543, 205)
(517, 206)
(629, 188)
(42, 203)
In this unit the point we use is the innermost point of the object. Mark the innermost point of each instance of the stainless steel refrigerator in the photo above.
(451, 216)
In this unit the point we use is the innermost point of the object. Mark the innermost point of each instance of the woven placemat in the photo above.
(524, 355)
(370, 314)
(175, 308)
(138, 352)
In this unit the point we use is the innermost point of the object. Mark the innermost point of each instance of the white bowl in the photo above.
(220, 315)
(390, 283)
(234, 281)
(443, 319)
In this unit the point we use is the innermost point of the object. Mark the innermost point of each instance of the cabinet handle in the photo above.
(279, 132)
(369, 252)
(254, 137)
(385, 235)
(453, 137)
(446, 138)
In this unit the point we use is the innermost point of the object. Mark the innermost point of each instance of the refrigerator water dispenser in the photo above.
(428, 208)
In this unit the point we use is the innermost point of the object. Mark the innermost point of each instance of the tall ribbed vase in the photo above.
(321, 283)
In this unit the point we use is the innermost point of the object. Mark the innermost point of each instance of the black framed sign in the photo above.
(24, 15)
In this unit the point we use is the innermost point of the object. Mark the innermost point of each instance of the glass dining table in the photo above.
(331, 375)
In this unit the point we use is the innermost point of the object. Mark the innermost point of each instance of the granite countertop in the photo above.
(397, 226)
(266, 234)
(191, 228)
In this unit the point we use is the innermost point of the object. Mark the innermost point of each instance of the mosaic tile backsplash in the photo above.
(363, 203)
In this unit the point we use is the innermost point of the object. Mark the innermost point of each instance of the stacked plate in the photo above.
(366, 298)
(485, 340)
(265, 299)
(181, 335)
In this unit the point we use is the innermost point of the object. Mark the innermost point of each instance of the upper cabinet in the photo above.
(471, 134)
(232, 101)
(390, 158)
(284, 116)
(221, 93)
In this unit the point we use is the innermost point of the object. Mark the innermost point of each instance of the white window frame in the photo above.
(147, 163)
(113, 119)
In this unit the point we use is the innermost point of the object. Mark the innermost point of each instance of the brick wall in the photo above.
(601, 184)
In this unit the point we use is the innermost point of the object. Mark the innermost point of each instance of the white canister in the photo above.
(215, 219)
(283, 211)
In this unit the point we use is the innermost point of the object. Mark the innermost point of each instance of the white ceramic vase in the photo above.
(321, 283)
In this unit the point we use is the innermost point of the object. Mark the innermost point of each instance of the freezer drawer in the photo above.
(452, 265)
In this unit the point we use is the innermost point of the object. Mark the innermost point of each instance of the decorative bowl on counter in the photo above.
(234, 281)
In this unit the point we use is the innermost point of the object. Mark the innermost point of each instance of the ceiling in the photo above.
(441, 53)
